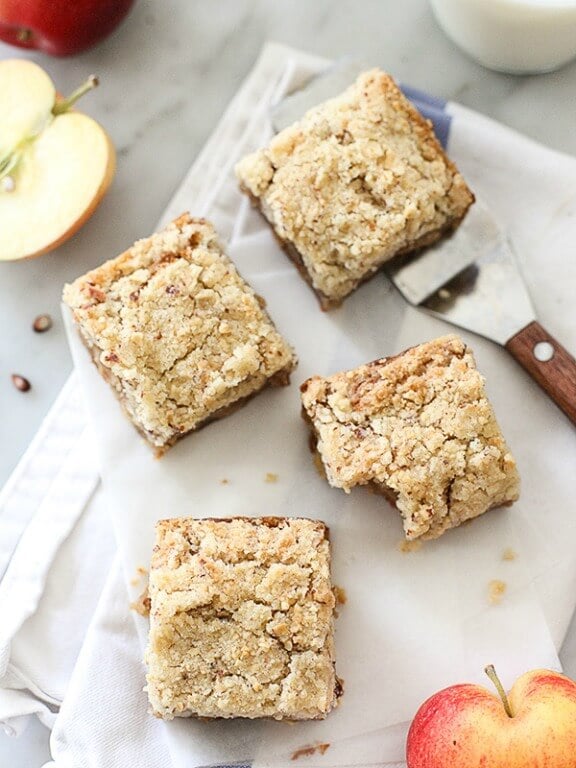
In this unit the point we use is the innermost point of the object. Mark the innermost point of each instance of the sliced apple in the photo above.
(27, 96)
(54, 170)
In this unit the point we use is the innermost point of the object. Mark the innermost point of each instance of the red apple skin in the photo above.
(60, 27)
(466, 726)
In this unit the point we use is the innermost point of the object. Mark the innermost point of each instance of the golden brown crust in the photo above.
(359, 180)
(241, 619)
(177, 332)
(419, 428)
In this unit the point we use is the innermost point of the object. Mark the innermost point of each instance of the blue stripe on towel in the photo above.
(424, 98)
(433, 109)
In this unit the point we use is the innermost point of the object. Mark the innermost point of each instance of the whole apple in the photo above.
(466, 726)
(59, 27)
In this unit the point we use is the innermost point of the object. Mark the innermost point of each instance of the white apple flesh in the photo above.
(466, 726)
(27, 96)
(65, 165)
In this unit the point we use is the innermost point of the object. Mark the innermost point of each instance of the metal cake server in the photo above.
(469, 279)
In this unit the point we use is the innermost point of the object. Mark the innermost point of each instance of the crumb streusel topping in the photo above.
(356, 181)
(177, 329)
(241, 619)
(420, 428)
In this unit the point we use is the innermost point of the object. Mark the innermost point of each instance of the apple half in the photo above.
(55, 163)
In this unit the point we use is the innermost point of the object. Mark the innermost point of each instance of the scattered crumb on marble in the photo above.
(142, 604)
(409, 546)
(224, 481)
(496, 590)
(308, 751)
(271, 477)
(509, 554)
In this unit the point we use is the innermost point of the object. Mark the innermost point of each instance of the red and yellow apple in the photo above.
(55, 163)
(59, 27)
(467, 726)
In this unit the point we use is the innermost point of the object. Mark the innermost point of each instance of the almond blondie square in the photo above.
(358, 180)
(177, 332)
(419, 429)
(241, 621)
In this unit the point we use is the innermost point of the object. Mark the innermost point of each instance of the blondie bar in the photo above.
(241, 621)
(358, 180)
(177, 332)
(419, 429)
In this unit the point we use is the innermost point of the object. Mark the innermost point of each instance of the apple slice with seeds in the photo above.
(55, 164)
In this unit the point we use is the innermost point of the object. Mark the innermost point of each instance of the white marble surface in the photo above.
(166, 76)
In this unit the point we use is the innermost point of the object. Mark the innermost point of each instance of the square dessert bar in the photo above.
(180, 336)
(419, 429)
(241, 620)
(358, 180)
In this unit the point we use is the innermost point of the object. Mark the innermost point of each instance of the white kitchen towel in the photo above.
(57, 545)
(434, 610)
(104, 719)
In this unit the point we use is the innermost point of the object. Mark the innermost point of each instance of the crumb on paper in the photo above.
(271, 477)
(340, 595)
(141, 572)
(142, 604)
(409, 546)
(496, 590)
(341, 599)
(224, 481)
(318, 464)
(308, 751)
(509, 554)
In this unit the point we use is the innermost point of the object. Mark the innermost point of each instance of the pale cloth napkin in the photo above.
(103, 721)
(56, 548)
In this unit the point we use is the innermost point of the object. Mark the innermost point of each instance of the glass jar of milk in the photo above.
(519, 36)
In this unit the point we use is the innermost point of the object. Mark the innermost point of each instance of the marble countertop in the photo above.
(166, 76)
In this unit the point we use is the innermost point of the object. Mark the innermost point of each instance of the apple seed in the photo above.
(22, 384)
(42, 323)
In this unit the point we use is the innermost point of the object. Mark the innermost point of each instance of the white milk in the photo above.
(520, 36)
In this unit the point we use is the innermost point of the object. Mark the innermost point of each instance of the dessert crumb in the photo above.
(496, 590)
(340, 595)
(140, 573)
(409, 546)
(509, 554)
(271, 477)
(308, 751)
(224, 481)
(142, 604)
(319, 466)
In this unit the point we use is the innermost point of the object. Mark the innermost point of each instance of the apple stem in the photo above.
(24, 35)
(491, 672)
(65, 104)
